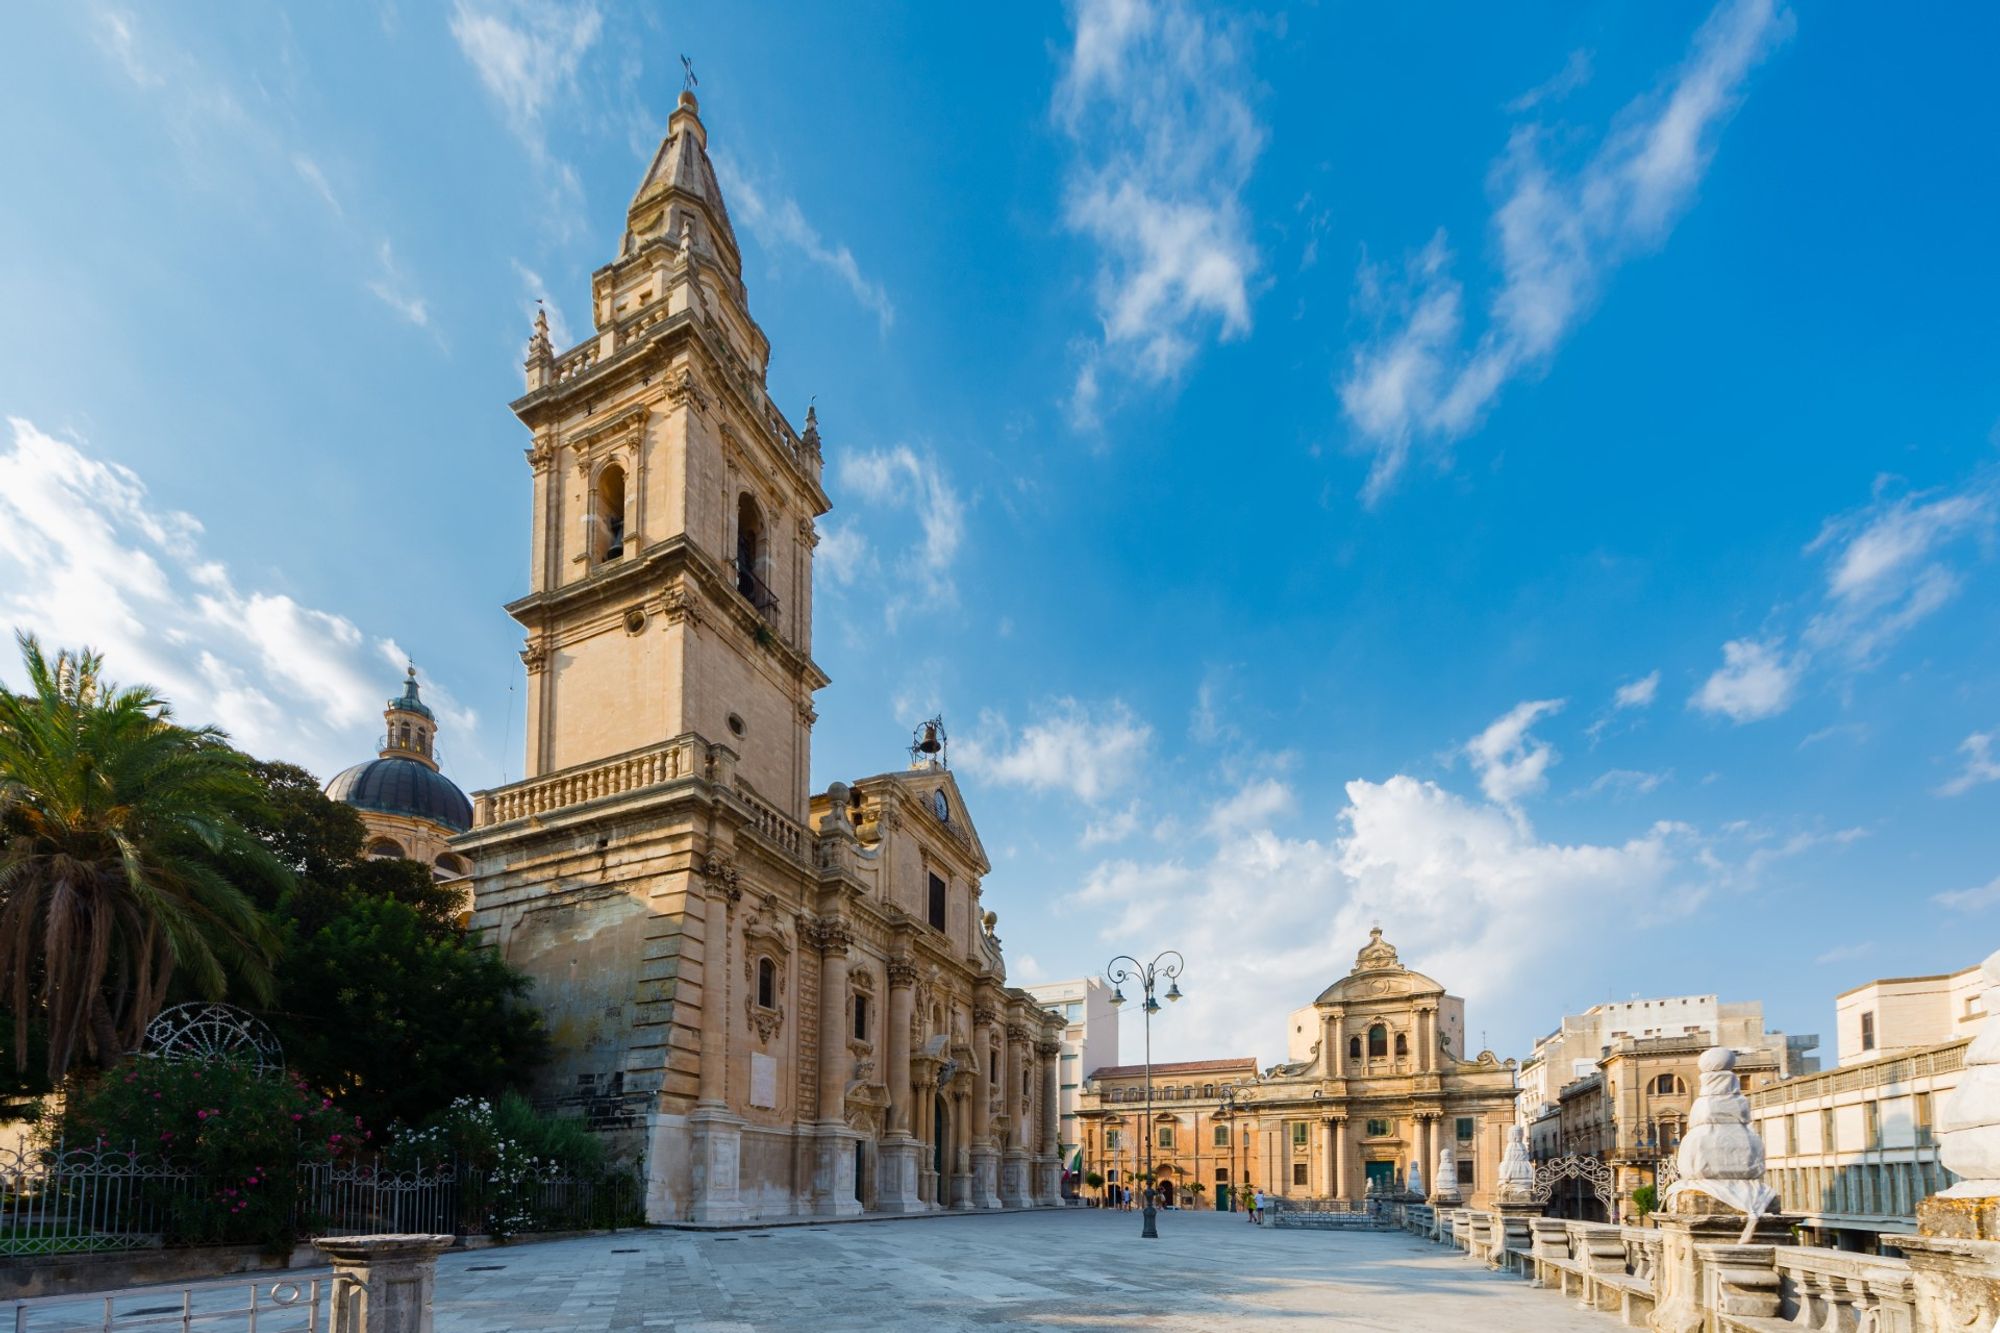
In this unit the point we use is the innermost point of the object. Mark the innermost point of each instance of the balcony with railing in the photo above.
(757, 592)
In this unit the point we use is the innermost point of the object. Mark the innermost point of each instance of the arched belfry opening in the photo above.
(608, 535)
(753, 555)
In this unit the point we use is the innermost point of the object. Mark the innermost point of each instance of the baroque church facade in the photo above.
(777, 1002)
(1376, 1098)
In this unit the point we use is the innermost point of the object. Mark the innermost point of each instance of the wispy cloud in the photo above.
(1981, 764)
(779, 222)
(1154, 97)
(1890, 565)
(1573, 75)
(1844, 953)
(1638, 693)
(1510, 762)
(1091, 752)
(393, 290)
(527, 54)
(87, 559)
(905, 479)
(1560, 234)
(1970, 900)
(535, 294)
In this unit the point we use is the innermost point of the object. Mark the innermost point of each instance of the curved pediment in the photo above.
(1378, 973)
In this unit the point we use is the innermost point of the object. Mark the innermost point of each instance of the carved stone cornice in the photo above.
(535, 656)
(1020, 1033)
(722, 876)
(681, 605)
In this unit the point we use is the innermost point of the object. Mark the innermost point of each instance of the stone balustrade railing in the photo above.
(667, 762)
(1745, 1288)
(787, 834)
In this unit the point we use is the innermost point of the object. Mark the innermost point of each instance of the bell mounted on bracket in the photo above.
(928, 744)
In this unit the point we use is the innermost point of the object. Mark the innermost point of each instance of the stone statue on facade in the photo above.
(1968, 1120)
(1444, 1185)
(1517, 1172)
(1722, 1157)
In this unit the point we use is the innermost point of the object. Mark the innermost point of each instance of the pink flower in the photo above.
(297, 1116)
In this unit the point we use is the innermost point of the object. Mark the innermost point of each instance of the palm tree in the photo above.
(115, 824)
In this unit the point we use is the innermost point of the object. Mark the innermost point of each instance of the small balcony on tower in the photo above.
(757, 591)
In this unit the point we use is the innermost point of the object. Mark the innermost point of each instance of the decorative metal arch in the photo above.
(1588, 1169)
(201, 1031)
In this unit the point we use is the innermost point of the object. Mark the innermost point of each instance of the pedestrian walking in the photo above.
(1257, 1207)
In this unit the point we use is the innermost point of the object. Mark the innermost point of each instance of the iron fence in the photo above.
(293, 1305)
(73, 1201)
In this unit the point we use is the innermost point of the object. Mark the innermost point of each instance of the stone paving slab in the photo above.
(1065, 1270)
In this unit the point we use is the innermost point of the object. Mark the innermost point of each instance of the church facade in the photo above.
(777, 1002)
(1377, 1092)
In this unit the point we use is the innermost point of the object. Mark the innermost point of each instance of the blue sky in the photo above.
(1525, 476)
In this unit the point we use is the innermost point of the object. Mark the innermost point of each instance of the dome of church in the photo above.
(398, 786)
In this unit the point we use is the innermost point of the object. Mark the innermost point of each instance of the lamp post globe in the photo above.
(1127, 968)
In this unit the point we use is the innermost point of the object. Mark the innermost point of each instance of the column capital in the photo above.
(832, 934)
(985, 1016)
(1048, 1049)
(902, 973)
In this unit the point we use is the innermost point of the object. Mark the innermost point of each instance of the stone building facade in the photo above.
(775, 1002)
(1089, 1040)
(1383, 1086)
(1195, 1141)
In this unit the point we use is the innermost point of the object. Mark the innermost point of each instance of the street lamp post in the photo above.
(1125, 968)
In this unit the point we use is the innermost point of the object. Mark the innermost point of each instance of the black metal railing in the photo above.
(757, 592)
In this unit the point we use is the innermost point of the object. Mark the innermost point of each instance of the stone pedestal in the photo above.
(896, 1175)
(1705, 1265)
(833, 1173)
(986, 1177)
(1047, 1183)
(960, 1196)
(1957, 1280)
(1014, 1178)
(1959, 1219)
(383, 1284)
(718, 1151)
(1513, 1246)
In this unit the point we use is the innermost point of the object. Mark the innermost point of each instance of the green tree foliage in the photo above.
(382, 1003)
(1646, 1200)
(114, 822)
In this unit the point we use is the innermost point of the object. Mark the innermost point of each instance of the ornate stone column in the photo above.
(1336, 1148)
(1336, 1064)
(834, 1194)
(987, 1085)
(717, 1131)
(1426, 1040)
(896, 1186)
(1050, 1191)
(1014, 1159)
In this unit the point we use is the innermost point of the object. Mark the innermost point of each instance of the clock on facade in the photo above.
(941, 805)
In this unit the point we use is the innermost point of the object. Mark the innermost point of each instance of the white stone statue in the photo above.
(1415, 1183)
(1722, 1156)
(1517, 1172)
(1444, 1186)
(1968, 1120)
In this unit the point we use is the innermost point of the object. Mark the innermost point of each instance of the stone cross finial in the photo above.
(1722, 1156)
(1968, 1119)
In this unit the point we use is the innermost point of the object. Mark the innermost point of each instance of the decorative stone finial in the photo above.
(1415, 1183)
(1517, 1172)
(539, 347)
(1968, 1119)
(1377, 954)
(1722, 1156)
(811, 436)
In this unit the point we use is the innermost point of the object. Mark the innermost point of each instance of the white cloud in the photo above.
(1842, 953)
(1559, 235)
(782, 223)
(901, 478)
(1638, 693)
(1970, 900)
(1115, 827)
(1573, 75)
(393, 290)
(1981, 765)
(1091, 753)
(527, 54)
(1886, 569)
(1464, 889)
(1755, 681)
(1154, 97)
(1631, 781)
(1257, 803)
(86, 560)
(1511, 763)
(843, 555)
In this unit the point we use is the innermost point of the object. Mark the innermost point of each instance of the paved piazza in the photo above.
(1069, 1270)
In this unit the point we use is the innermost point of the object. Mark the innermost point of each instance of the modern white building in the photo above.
(1090, 1041)
(1851, 1150)
(1573, 1050)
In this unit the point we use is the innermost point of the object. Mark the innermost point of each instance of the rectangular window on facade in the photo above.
(1465, 1129)
(1872, 1113)
(937, 902)
(1298, 1173)
(1464, 1172)
(1920, 1118)
(1299, 1134)
(1868, 1031)
(1166, 1136)
(1222, 1175)
(861, 1018)
(1113, 1140)
(1791, 1136)
(1377, 1128)
(1829, 1141)
(1222, 1136)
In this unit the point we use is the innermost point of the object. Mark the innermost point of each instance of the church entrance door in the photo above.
(860, 1172)
(1381, 1177)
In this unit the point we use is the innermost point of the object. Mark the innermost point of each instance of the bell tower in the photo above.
(670, 584)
